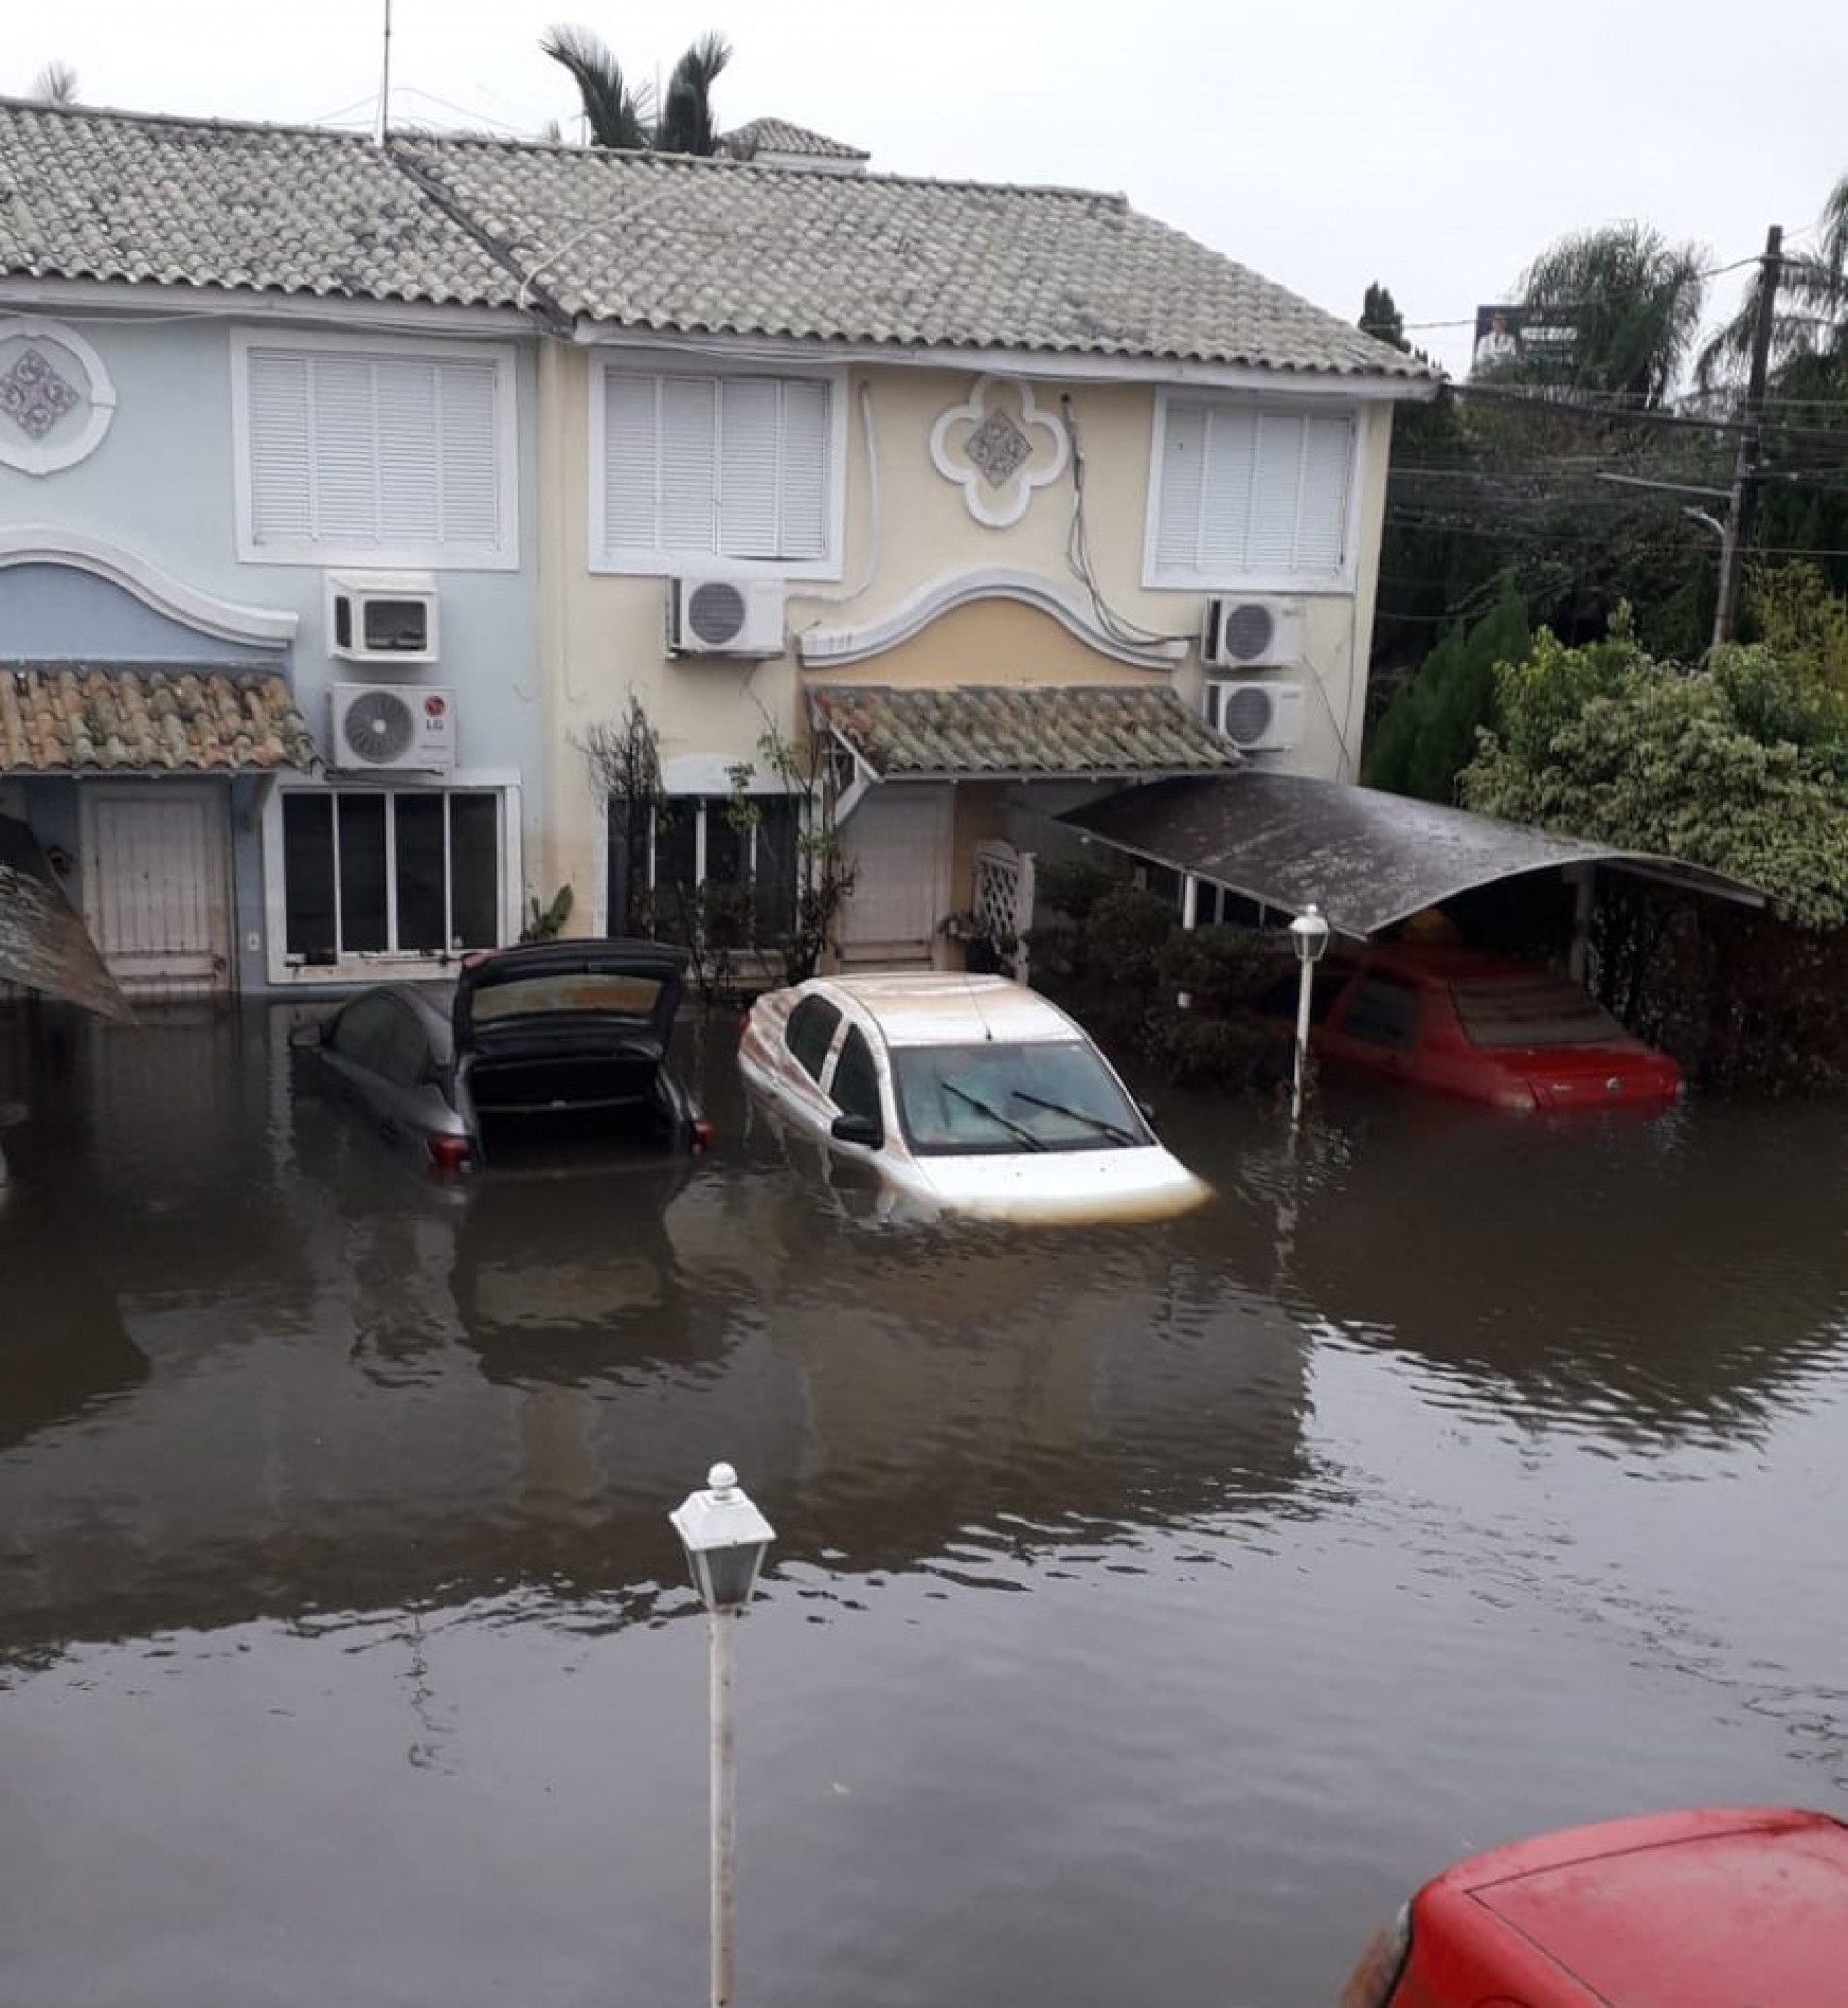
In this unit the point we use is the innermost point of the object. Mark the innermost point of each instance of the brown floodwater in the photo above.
(1151, 1607)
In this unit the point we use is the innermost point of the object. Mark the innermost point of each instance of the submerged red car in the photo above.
(1722, 1908)
(1483, 1028)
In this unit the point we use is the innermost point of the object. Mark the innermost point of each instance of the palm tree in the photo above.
(1809, 325)
(618, 113)
(56, 84)
(1633, 301)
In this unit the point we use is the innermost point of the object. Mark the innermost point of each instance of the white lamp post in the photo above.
(1309, 937)
(726, 1538)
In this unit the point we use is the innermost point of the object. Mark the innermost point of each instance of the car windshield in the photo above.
(1036, 1095)
(1538, 1009)
(618, 993)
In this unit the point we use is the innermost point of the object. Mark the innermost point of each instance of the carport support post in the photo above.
(1581, 878)
(1189, 920)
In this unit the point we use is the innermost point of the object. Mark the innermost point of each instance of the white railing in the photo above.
(1003, 904)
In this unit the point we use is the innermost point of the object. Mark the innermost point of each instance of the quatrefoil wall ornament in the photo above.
(998, 446)
(55, 396)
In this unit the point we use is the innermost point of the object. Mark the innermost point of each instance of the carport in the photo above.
(1366, 859)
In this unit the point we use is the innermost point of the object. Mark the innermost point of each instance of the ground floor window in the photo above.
(713, 868)
(416, 872)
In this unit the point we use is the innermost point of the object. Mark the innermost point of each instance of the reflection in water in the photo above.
(1449, 1477)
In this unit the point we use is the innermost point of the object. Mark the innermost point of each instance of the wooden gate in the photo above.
(156, 884)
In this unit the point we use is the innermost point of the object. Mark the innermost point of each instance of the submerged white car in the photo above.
(966, 1093)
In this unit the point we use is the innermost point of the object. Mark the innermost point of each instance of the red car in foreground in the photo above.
(1717, 1909)
(1483, 1028)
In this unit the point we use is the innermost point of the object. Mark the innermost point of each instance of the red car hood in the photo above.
(1710, 1910)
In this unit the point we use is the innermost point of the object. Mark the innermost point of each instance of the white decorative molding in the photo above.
(227, 621)
(37, 395)
(834, 647)
(989, 446)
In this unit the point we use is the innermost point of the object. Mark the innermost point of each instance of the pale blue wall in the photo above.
(58, 614)
(162, 484)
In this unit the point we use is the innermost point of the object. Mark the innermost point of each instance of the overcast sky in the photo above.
(1435, 146)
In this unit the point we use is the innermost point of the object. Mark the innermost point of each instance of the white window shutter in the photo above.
(804, 453)
(1177, 546)
(345, 482)
(689, 474)
(1322, 532)
(631, 457)
(1233, 498)
(1251, 493)
(404, 395)
(281, 453)
(749, 448)
(467, 451)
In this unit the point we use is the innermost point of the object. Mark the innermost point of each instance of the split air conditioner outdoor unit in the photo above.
(1254, 634)
(382, 617)
(1257, 718)
(393, 725)
(724, 616)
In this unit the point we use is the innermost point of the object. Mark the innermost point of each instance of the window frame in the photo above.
(379, 965)
(425, 556)
(1155, 579)
(658, 562)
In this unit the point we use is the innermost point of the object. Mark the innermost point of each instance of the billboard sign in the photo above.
(1543, 340)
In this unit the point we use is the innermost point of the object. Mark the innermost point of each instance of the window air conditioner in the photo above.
(382, 617)
(393, 725)
(1257, 718)
(724, 616)
(1254, 634)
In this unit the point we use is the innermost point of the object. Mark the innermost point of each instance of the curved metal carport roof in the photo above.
(1366, 859)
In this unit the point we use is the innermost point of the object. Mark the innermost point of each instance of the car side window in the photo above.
(1384, 1013)
(856, 1086)
(810, 1032)
(363, 1033)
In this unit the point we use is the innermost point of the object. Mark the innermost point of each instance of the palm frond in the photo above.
(687, 122)
(615, 113)
(56, 84)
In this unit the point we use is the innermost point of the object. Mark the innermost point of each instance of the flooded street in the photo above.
(1151, 1607)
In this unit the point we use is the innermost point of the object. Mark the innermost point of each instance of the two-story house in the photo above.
(414, 465)
(269, 683)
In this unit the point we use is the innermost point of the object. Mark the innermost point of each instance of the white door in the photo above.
(156, 884)
(898, 843)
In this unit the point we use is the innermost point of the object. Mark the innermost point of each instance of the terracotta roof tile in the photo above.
(71, 718)
(1011, 730)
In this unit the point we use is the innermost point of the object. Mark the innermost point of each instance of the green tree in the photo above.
(1809, 311)
(620, 113)
(54, 85)
(1634, 300)
(1428, 734)
(1608, 743)
(1381, 318)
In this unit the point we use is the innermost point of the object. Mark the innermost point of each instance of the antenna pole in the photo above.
(384, 84)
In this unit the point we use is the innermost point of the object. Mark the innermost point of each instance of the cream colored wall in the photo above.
(602, 636)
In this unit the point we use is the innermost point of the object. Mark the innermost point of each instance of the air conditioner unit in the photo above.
(382, 617)
(1254, 634)
(386, 725)
(1257, 718)
(724, 616)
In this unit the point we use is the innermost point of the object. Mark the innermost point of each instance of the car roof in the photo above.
(944, 1008)
(1702, 1909)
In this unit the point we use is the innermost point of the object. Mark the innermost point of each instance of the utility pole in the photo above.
(1745, 469)
(383, 126)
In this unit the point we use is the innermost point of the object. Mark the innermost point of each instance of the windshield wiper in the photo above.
(1114, 1130)
(995, 1115)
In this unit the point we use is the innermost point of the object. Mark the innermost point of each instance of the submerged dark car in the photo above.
(545, 1045)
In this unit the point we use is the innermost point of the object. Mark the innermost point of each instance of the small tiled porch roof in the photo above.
(974, 732)
(76, 718)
